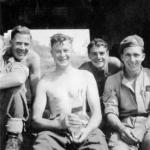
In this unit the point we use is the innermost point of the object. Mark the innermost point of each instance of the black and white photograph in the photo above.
(74, 75)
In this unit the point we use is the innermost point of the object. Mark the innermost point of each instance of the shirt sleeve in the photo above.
(20, 68)
(110, 98)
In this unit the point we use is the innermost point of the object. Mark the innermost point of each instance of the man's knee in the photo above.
(14, 125)
(115, 143)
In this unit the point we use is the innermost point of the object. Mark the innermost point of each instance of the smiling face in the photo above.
(132, 58)
(61, 53)
(20, 44)
(99, 56)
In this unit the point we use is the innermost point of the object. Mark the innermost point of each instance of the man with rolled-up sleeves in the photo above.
(127, 99)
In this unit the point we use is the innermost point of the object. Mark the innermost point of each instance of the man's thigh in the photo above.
(95, 141)
(48, 140)
(115, 143)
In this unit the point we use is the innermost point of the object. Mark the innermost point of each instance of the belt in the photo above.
(135, 115)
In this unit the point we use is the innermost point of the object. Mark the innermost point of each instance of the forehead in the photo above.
(22, 37)
(62, 45)
(98, 49)
(133, 50)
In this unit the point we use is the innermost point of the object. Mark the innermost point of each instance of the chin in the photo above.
(99, 65)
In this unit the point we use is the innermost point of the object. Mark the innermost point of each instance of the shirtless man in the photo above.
(20, 64)
(66, 91)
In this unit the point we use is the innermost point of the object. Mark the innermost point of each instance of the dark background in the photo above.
(111, 20)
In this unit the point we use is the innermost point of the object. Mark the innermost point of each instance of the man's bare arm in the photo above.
(94, 103)
(38, 109)
(35, 72)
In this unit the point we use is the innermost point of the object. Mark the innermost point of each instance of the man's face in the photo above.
(61, 53)
(99, 56)
(132, 58)
(21, 44)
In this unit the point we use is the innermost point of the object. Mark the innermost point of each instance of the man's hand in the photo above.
(70, 121)
(81, 136)
(138, 133)
(126, 136)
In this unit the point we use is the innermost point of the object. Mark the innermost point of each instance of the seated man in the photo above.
(20, 63)
(127, 99)
(101, 65)
(66, 91)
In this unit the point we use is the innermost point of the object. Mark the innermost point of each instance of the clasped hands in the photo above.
(76, 125)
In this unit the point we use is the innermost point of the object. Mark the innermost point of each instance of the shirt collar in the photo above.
(124, 79)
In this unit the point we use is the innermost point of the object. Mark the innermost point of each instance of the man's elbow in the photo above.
(35, 121)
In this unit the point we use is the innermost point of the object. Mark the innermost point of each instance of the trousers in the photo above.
(59, 140)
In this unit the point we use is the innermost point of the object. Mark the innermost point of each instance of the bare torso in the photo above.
(66, 91)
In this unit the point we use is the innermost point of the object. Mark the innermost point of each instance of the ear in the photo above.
(121, 57)
(143, 56)
(107, 52)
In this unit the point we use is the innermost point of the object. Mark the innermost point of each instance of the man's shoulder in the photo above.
(33, 59)
(115, 78)
(147, 71)
(83, 71)
(86, 66)
(114, 60)
(114, 65)
(32, 55)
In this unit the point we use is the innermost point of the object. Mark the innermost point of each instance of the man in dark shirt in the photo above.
(100, 64)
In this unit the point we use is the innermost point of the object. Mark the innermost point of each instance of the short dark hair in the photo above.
(60, 38)
(97, 42)
(20, 29)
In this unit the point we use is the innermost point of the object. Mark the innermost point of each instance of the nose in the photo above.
(99, 55)
(62, 54)
(132, 58)
(22, 46)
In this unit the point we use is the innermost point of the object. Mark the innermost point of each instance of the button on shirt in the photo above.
(122, 99)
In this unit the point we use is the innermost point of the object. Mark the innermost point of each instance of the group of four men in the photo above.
(76, 98)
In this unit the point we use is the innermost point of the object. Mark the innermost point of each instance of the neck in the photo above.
(63, 69)
(132, 74)
(99, 68)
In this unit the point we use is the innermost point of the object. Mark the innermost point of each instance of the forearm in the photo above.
(94, 122)
(7, 81)
(115, 122)
(45, 124)
(147, 123)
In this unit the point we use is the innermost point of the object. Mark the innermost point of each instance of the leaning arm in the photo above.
(14, 78)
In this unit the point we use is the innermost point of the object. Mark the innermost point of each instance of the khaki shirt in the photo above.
(122, 100)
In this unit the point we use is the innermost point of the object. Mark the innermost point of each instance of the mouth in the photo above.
(99, 61)
(21, 52)
(132, 65)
